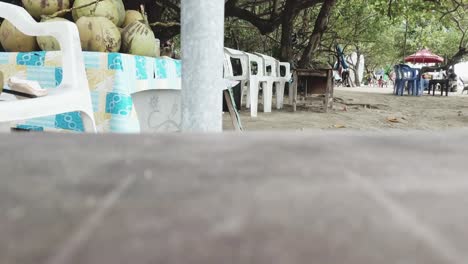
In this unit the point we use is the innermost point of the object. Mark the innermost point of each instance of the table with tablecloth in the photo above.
(112, 77)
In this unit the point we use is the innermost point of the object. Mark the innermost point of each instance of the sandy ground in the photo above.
(364, 108)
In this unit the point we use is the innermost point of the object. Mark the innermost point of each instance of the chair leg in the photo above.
(401, 88)
(253, 97)
(414, 87)
(247, 100)
(267, 96)
(396, 87)
(280, 95)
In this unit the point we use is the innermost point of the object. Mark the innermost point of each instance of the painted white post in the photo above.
(202, 65)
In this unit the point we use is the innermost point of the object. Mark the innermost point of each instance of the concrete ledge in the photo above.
(322, 197)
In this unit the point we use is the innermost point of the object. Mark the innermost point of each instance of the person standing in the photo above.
(345, 78)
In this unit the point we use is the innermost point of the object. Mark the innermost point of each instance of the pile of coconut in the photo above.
(104, 26)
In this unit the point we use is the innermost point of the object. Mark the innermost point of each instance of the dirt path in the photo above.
(366, 109)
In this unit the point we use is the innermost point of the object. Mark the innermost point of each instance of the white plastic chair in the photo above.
(257, 80)
(272, 69)
(73, 93)
(243, 77)
(284, 72)
(252, 76)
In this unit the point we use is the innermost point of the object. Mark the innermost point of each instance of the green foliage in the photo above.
(240, 34)
(385, 33)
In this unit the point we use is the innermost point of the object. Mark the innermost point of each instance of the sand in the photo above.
(364, 108)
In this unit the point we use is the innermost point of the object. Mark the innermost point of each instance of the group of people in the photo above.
(381, 81)
(343, 79)
(441, 74)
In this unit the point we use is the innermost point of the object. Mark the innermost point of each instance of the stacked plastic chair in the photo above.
(284, 72)
(259, 71)
(271, 73)
(243, 76)
(257, 81)
(399, 85)
(407, 77)
(414, 82)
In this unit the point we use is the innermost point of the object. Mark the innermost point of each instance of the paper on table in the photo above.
(26, 86)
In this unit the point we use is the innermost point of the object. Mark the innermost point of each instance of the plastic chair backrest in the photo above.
(240, 58)
(415, 73)
(270, 65)
(406, 71)
(255, 65)
(284, 70)
(400, 72)
(66, 33)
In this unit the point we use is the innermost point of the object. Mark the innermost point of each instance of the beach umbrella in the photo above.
(424, 56)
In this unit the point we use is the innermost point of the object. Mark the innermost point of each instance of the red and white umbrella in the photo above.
(424, 56)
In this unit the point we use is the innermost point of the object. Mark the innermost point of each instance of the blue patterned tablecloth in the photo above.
(112, 77)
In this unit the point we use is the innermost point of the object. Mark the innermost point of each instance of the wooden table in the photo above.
(317, 81)
(444, 84)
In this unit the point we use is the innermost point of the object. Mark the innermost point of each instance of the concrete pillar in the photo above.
(202, 65)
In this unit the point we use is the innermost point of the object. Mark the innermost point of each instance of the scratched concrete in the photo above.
(320, 197)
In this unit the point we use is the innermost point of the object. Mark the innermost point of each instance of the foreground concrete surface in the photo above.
(228, 198)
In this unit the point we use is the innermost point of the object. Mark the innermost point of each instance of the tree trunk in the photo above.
(320, 26)
(357, 80)
(287, 30)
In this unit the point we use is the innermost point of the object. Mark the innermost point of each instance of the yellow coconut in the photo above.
(132, 16)
(13, 40)
(98, 34)
(138, 39)
(49, 43)
(45, 7)
(114, 10)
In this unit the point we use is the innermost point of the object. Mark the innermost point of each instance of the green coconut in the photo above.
(49, 43)
(114, 10)
(37, 8)
(13, 40)
(132, 16)
(138, 39)
(98, 34)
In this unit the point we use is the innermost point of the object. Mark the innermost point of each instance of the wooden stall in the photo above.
(314, 82)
